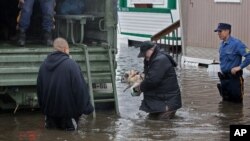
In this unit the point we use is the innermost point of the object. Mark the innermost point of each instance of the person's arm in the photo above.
(39, 88)
(243, 51)
(80, 91)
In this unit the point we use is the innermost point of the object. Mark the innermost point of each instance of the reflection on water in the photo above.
(203, 116)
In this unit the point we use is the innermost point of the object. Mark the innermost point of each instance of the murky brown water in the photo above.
(203, 116)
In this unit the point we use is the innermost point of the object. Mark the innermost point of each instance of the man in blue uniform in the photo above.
(231, 52)
(62, 92)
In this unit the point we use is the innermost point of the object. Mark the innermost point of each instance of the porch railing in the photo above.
(169, 39)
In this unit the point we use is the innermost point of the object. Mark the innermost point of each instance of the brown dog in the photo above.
(131, 77)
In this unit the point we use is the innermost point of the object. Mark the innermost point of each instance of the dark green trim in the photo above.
(122, 3)
(172, 38)
(172, 4)
(148, 36)
(172, 19)
(136, 34)
(149, 10)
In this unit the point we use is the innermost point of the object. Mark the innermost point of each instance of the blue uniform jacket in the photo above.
(231, 52)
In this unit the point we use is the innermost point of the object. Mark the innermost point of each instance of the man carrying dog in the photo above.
(231, 52)
(162, 96)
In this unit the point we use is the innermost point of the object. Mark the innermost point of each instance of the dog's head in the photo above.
(132, 76)
(124, 78)
(128, 75)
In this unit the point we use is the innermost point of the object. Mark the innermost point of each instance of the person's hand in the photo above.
(235, 70)
(136, 91)
(136, 87)
(21, 1)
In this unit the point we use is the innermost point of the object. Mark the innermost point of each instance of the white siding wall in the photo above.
(143, 23)
(156, 4)
(146, 23)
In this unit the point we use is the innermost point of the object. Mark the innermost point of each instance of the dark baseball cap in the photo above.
(223, 26)
(146, 45)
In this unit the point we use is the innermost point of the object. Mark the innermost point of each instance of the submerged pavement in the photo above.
(202, 117)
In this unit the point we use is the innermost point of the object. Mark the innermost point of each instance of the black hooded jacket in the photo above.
(160, 86)
(61, 88)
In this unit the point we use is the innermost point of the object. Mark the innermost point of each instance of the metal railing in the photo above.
(169, 39)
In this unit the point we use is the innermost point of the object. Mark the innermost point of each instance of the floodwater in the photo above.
(202, 117)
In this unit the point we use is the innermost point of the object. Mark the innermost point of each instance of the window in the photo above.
(147, 1)
(232, 1)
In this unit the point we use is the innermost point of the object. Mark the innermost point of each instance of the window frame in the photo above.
(228, 1)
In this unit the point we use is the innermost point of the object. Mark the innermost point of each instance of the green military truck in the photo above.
(92, 38)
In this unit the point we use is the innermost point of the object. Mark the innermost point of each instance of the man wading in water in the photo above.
(162, 96)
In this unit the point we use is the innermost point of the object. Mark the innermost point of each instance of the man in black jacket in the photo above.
(160, 87)
(62, 91)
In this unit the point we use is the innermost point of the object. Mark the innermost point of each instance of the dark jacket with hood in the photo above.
(160, 86)
(61, 88)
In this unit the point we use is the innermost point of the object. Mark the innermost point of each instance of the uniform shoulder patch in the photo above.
(247, 50)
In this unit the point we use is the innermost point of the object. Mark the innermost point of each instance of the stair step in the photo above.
(104, 100)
